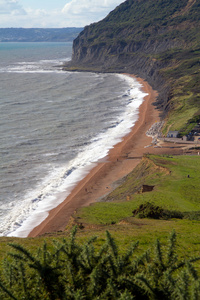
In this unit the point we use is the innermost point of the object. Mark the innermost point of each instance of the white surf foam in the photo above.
(41, 66)
(30, 212)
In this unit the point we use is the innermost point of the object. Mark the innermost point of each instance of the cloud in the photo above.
(93, 9)
(76, 13)
(37, 13)
(11, 7)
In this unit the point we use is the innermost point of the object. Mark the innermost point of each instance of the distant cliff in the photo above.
(39, 34)
(157, 40)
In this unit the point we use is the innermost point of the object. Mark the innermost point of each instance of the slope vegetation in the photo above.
(156, 40)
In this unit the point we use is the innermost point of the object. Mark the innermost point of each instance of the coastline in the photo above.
(121, 160)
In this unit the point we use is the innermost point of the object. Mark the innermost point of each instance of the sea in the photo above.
(55, 126)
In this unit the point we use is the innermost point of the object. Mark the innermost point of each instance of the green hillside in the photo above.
(157, 40)
(101, 258)
(174, 186)
(139, 21)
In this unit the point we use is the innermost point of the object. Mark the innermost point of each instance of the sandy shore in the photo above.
(120, 161)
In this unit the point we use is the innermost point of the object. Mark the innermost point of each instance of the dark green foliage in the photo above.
(73, 271)
(159, 278)
(152, 211)
(141, 20)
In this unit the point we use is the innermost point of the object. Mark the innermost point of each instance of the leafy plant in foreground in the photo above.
(68, 270)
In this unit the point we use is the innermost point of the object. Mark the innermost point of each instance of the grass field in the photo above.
(172, 190)
(175, 182)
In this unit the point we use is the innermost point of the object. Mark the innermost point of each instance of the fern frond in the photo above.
(130, 252)
(143, 282)
(126, 295)
(111, 243)
(112, 266)
(73, 236)
(21, 249)
(195, 292)
(86, 258)
(140, 261)
(159, 255)
(7, 291)
(111, 289)
(183, 286)
(79, 295)
(171, 251)
(98, 280)
(191, 270)
(91, 240)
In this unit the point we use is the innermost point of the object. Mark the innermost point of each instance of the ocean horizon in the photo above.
(55, 126)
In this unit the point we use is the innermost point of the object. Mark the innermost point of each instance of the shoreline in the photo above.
(120, 161)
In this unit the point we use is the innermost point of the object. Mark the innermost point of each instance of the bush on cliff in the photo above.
(152, 211)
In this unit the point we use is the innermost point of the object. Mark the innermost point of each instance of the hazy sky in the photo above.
(53, 13)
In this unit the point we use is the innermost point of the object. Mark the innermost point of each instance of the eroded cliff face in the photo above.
(134, 38)
(132, 58)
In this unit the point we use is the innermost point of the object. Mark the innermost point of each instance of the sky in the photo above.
(53, 13)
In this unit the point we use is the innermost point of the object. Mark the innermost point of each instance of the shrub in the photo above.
(149, 210)
(73, 271)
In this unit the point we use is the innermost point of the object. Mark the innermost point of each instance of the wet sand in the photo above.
(121, 160)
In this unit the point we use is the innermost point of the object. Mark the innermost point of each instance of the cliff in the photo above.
(156, 40)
